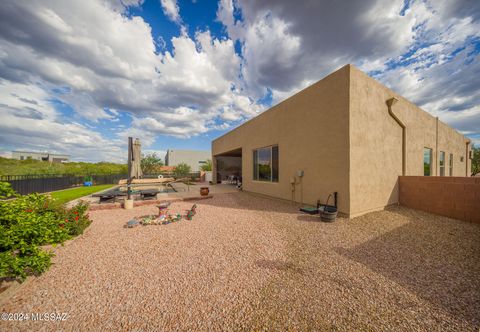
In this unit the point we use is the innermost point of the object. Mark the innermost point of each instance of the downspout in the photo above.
(466, 157)
(390, 102)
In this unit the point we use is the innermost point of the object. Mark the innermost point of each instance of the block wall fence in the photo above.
(454, 197)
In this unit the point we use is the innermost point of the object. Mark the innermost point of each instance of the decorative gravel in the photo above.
(252, 263)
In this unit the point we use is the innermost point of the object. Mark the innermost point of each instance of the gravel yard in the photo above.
(251, 263)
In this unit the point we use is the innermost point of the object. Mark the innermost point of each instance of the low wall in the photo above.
(455, 197)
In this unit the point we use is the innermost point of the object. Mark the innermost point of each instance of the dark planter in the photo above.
(329, 213)
(204, 191)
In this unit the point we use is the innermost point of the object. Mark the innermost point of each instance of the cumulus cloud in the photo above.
(96, 67)
(96, 59)
(45, 128)
(171, 10)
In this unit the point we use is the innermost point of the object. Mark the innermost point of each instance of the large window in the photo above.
(427, 161)
(450, 165)
(442, 163)
(265, 164)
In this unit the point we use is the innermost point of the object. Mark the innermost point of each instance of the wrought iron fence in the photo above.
(41, 183)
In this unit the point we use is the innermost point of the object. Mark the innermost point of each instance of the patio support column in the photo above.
(214, 170)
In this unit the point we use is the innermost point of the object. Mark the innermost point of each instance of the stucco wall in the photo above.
(376, 143)
(339, 132)
(189, 157)
(311, 130)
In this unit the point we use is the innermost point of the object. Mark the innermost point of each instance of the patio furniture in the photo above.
(146, 194)
(109, 196)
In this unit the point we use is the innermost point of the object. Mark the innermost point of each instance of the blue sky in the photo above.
(79, 77)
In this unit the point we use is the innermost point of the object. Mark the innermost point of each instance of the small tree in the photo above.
(207, 167)
(475, 160)
(151, 163)
(181, 170)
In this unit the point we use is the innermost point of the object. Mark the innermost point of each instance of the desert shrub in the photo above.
(207, 167)
(29, 222)
(181, 170)
(151, 164)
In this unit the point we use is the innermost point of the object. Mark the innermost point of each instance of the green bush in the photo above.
(19, 167)
(29, 222)
(6, 190)
(207, 167)
(75, 220)
(151, 164)
(181, 170)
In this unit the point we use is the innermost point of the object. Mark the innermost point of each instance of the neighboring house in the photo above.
(195, 159)
(44, 156)
(343, 134)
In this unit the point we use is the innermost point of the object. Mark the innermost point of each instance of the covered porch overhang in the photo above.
(227, 167)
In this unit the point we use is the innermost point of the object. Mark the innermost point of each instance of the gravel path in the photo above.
(251, 263)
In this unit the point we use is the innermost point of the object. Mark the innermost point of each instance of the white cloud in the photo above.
(171, 10)
(87, 55)
(32, 123)
(90, 52)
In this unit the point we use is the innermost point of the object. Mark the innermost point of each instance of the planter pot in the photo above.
(128, 205)
(204, 191)
(328, 214)
(87, 184)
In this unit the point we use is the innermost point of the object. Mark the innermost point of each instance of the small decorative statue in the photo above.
(191, 212)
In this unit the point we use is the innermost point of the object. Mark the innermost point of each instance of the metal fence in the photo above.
(41, 183)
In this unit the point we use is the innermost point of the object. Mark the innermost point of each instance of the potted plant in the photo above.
(204, 191)
(329, 212)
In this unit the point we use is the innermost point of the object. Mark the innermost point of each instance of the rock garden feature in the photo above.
(163, 217)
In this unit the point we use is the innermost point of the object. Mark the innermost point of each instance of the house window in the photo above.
(450, 165)
(442, 163)
(202, 162)
(22, 158)
(427, 161)
(265, 164)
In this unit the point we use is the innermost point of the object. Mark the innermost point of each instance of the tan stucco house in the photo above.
(346, 133)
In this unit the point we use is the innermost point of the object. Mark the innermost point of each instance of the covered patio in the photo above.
(227, 167)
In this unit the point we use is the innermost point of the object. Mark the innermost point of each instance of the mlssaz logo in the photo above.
(53, 316)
